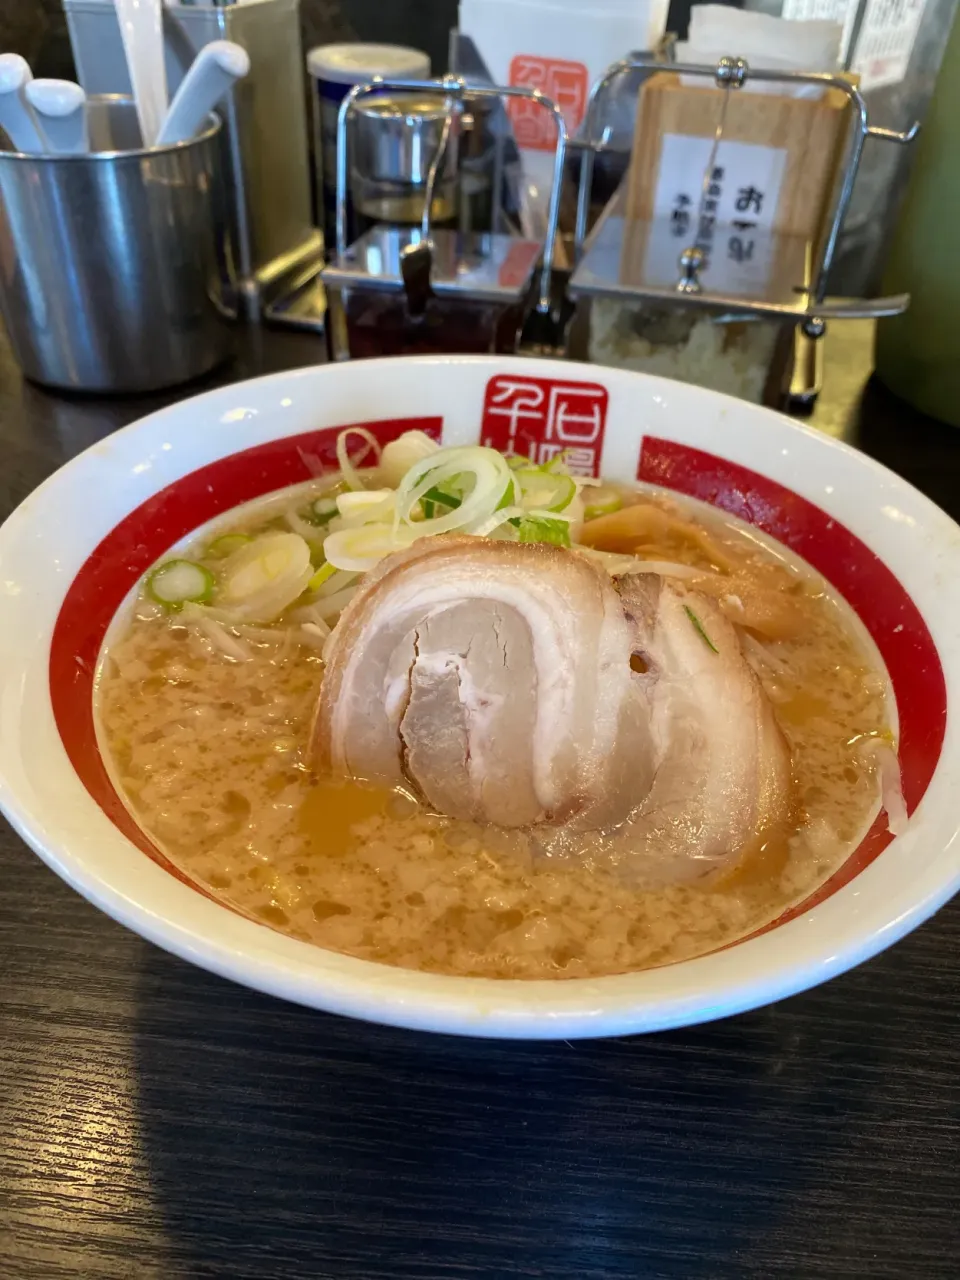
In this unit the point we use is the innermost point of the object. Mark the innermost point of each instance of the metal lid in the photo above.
(492, 268)
(358, 63)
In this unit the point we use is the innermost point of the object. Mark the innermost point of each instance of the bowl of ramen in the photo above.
(487, 696)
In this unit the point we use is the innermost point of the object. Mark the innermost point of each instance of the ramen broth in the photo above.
(208, 753)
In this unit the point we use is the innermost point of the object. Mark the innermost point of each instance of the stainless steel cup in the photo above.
(395, 140)
(397, 137)
(112, 266)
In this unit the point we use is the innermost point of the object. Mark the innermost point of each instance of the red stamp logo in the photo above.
(541, 417)
(567, 83)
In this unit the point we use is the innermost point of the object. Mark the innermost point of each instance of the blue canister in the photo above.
(334, 69)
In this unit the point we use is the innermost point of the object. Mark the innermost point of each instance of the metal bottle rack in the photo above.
(420, 261)
(796, 289)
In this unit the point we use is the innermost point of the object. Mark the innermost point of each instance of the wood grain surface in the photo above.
(808, 131)
(158, 1122)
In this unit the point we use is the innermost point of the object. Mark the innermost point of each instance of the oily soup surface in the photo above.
(208, 755)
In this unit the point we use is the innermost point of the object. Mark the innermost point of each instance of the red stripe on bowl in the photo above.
(128, 551)
(868, 586)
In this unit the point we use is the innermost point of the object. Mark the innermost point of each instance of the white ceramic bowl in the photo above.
(73, 550)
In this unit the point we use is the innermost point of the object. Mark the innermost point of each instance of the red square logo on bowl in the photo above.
(566, 83)
(539, 418)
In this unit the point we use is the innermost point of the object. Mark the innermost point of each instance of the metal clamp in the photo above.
(455, 89)
(730, 73)
(691, 260)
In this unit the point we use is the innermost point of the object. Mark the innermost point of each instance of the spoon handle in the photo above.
(214, 71)
(60, 111)
(141, 26)
(16, 117)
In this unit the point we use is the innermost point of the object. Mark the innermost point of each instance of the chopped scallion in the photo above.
(178, 582)
(261, 579)
(227, 544)
(320, 577)
(437, 497)
(544, 529)
(602, 502)
(320, 512)
(510, 496)
(545, 490)
(558, 461)
(474, 473)
(700, 629)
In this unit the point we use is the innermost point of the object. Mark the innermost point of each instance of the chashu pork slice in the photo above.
(721, 765)
(518, 685)
(493, 679)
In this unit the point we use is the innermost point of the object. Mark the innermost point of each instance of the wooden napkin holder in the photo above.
(811, 133)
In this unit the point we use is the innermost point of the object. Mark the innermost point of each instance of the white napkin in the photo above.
(560, 47)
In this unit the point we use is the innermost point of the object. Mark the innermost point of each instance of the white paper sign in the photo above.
(560, 50)
(728, 219)
(742, 192)
(886, 40)
(843, 11)
(887, 36)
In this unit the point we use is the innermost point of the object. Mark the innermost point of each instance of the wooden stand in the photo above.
(811, 133)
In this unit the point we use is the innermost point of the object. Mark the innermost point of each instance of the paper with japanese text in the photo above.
(739, 199)
(882, 51)
(884, 44)
(743, 187)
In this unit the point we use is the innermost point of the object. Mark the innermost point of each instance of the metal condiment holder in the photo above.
(796, 285)
(420, 262)
(275, 249)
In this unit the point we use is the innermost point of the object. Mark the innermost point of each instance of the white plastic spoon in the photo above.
(141, 25)
(214, 71)
(16, 115)
(60, 109)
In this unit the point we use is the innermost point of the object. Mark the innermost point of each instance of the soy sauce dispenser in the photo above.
(683, 275)
(427, 278)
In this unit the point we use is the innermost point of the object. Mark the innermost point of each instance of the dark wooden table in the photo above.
(159, 1122)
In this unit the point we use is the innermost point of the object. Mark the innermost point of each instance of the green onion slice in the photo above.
(437, 497)
(177, 582)
(544, 529)
(320, 577)
(227, 544)
(261, 579)
(477, 473)
(601, 500)
(546, 490)
(320, 512)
